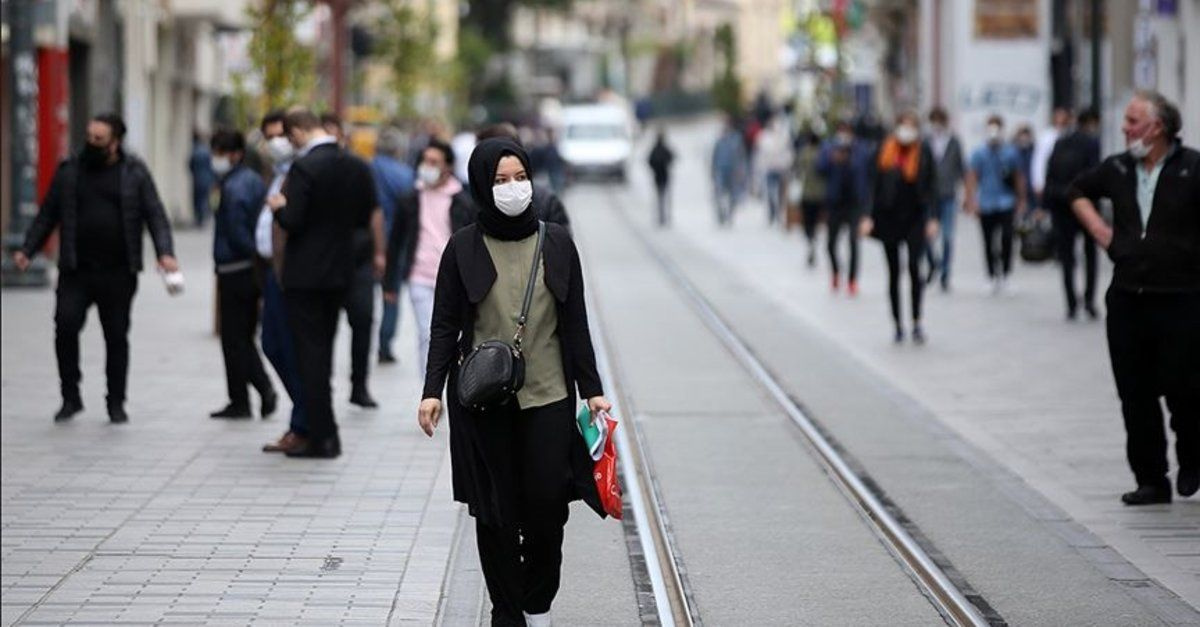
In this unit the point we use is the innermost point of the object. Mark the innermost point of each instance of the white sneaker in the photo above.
(995, 285)
(537, 620)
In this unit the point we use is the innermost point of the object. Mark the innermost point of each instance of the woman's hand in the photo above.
(429, 414)
(597, 404)
(931, 229)
(865, 226)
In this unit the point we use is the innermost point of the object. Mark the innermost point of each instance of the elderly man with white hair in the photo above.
(1154, 300)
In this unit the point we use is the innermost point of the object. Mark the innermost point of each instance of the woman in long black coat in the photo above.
(902, 199)
(517, 466)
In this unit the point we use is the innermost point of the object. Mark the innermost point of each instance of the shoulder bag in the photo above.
(494, 371)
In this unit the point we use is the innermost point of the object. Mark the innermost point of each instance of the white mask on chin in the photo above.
(513, 198)
(1138, 148)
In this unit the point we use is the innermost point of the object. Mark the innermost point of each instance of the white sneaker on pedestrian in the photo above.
(537, 620)
(994, 285)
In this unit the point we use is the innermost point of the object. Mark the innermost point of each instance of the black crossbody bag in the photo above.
(494, 371)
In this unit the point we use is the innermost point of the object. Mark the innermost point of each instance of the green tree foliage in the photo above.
(285, 67)
(405, 42)
(727, 87)
(491, 18)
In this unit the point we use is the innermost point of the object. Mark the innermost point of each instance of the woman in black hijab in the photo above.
(516, 466)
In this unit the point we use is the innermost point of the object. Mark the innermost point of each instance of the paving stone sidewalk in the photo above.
(176, 518)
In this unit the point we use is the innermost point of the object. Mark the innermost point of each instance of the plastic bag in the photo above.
(605, 471)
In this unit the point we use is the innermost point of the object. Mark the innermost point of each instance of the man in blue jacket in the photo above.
(242, 195)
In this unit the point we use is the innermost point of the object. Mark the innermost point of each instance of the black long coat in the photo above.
(895, 220)
(465, 276)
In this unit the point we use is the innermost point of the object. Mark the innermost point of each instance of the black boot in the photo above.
(1147, 495)
(361, 397)
(1188, 481)
(70, 407)
(116, 413)
(231, 411)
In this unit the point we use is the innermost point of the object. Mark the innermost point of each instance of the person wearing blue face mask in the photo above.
(242, 196)
(516, 465)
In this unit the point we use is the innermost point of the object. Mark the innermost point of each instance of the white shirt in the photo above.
(262, 228)
(938, 143)
(1041, 158)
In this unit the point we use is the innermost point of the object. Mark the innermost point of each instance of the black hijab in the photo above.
(481, 169)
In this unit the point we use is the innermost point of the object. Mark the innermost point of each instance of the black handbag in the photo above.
(495, 371)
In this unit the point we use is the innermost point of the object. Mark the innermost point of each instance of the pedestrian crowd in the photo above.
(906, 187)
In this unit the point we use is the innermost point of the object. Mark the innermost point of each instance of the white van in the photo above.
(596, 139)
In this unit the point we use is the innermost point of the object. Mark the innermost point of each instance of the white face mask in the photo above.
(513, 198)
(429, 175)
(221, 165)
(994, 133)
(280, 149)
(906, 134)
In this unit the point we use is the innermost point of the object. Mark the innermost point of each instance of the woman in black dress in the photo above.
(516, 466)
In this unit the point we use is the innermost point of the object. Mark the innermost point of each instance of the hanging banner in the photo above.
(1006, 19)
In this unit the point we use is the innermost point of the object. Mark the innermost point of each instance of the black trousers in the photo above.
(112, 292)
(522, 562)
(839, 220)
(1067, 230)
(811, 215)
(239, 322)
(664, 202)
(359, 304)
(313, 317)
(915, 244)
(1154, 345)
(997, 223)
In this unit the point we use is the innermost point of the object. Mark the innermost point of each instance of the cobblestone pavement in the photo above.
(1007, 373)
(178, 518)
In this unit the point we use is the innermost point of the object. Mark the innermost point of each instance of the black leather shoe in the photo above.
(362, 398)
(117, 415)
(270, 401)
(231, 411)
(1188, 481)
(1091, 311)
(387, 358)
(68, 410)
(1147, 495)
(327, 448)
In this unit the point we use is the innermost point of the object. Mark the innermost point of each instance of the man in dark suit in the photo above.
(328, 194)
(1073, 154)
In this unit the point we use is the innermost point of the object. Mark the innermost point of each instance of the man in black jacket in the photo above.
(1073, 154)
(1154, 299)
(328, 195)
(102, 200)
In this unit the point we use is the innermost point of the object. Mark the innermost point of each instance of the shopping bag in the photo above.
(1037, 239)
(605, 471)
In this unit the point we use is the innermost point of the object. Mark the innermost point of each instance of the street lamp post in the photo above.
(23, 88)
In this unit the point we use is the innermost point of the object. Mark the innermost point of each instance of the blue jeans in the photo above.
(278, 347)
(388, 325)
(774, 191)
(947, 211)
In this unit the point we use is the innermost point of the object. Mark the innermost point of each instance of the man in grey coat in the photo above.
(948, 173)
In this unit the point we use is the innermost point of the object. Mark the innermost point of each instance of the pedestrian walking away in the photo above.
(242, 197)
(660, 160)
(843, 163)
(995, 191)
(277, 342)
(729, 169)
(774, 158)
(812, 190)
(425, 219)
(517, 465)
(328, 196)
(393, 179)
(100, 201)
(203, 178)
(949, 166)
(1074, 153)
(904, 187)
(1154, 300)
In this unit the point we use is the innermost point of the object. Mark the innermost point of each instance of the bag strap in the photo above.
(537, 257)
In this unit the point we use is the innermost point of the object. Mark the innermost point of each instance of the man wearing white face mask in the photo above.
(242, 195)
(425, 219)
(995, 191)
(1154, 300)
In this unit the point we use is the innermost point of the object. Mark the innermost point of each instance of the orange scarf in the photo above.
(907, 159)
